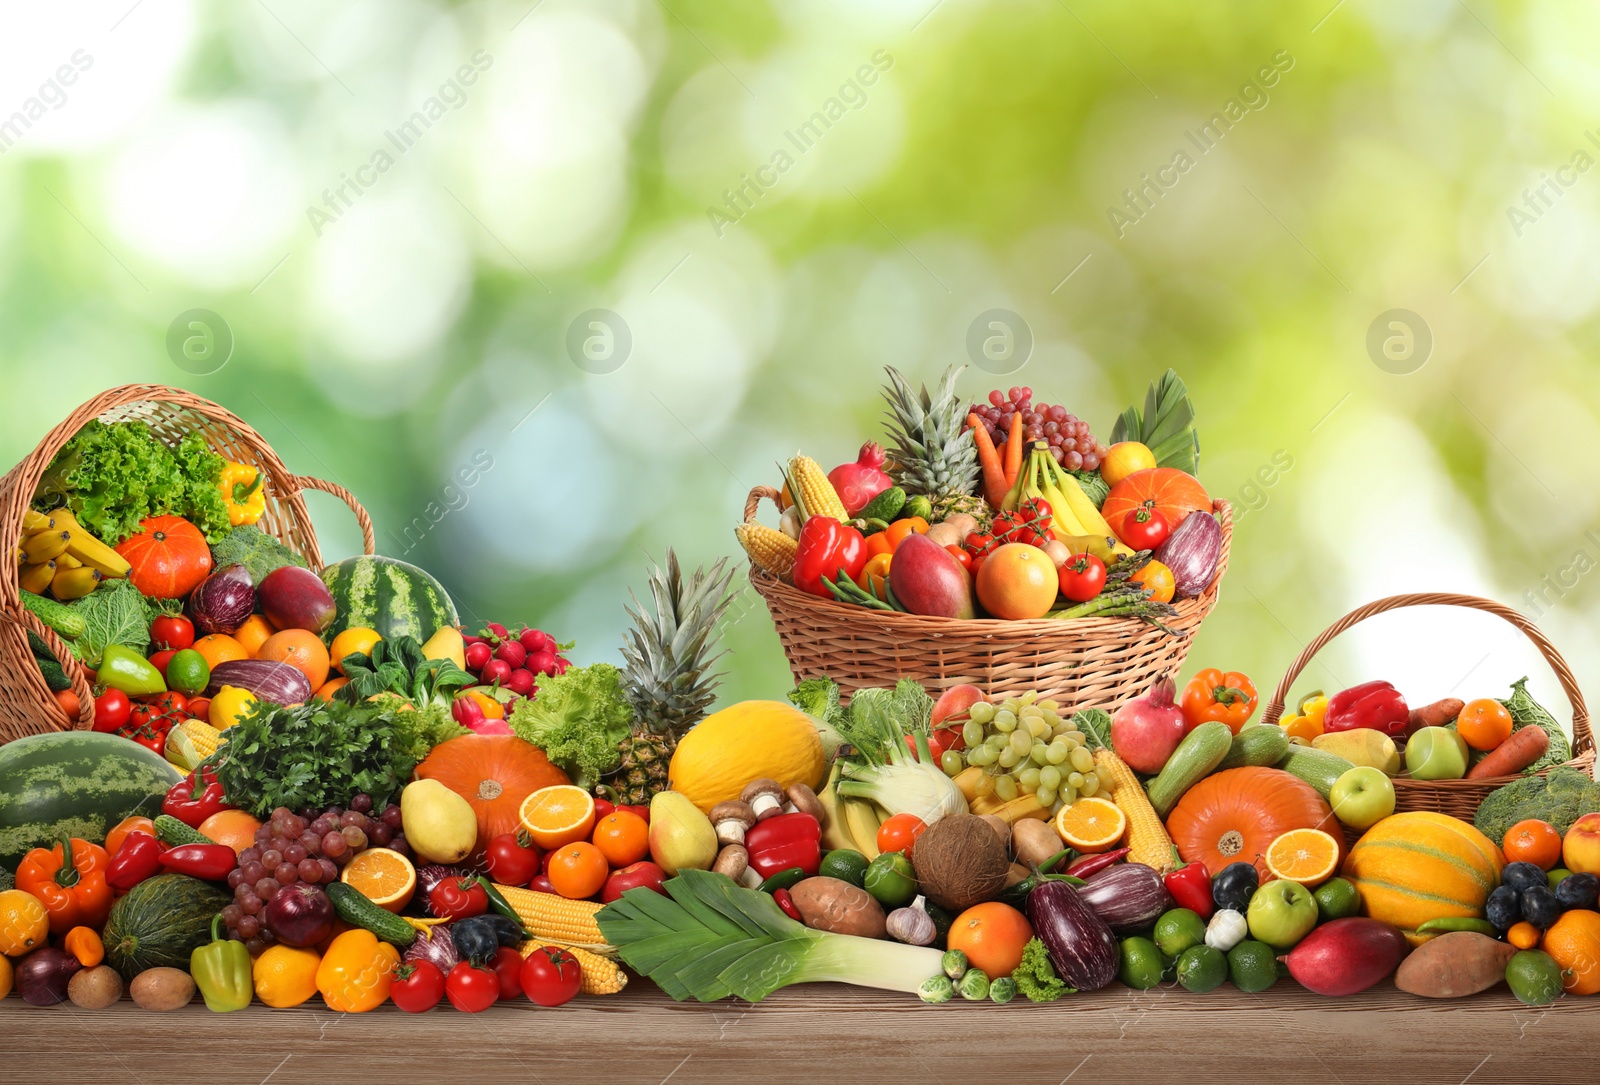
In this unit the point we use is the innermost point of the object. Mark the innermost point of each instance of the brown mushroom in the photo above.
(765, 797)
(734, 861)
(731, 819)
(803, 800)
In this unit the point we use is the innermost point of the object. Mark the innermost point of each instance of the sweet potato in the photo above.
(829, 904)
(1454, 965)
(1436, 714)
(1513, 755)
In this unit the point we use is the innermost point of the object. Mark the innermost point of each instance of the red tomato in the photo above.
(161, 659)
(510, 862)
(111, 710)
(172, 631)
(900, 832)
(602, 807)
(632, 876)
(551, 976)
(541, 882)
(458, 898)
(200, 707)
(418, 986)
(1145, 528)
(642, 811)
(142, 715)
(171, 703)
(471, 989)
(507, 965)
(1083, 576)
(960, 555)
(147, 735)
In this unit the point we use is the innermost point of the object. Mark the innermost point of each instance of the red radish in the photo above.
(1346, 956)
(512, 652)
(859, 482)
(519, 680)
(1146, 730)
(541, 662)
(496, 670)
(467, 711)
(477, 655)
(499, 630)
(536, 640)
(471, 638)
(562, 663)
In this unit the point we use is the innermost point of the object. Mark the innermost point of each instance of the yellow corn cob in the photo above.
(769, 548)
(1147, 837)
(191, 742)
(557, 919)
(813, 493)
(601, 975)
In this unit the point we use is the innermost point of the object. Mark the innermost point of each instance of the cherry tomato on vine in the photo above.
(111, 710)
(963, 558)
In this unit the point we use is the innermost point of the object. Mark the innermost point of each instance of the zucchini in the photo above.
(1200, 752)
(358, 911)
(1319, 768)
(54, 676)
(68, 623)
(1264, 745)
(174, 833)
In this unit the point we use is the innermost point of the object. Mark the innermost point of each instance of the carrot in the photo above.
(1436, 714)
(1013, 464)
(994, 476)
(1513, 755)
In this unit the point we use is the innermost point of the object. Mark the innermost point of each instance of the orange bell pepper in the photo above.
(878, 543)
(1212, 695)
(70, 881)
(357, 971)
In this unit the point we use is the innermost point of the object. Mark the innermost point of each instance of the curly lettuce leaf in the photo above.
(577, 719)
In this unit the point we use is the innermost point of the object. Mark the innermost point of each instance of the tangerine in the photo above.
(220, 648)
(1484, 723)
(1158, 579)
(992, 935)
(254, 632)
(326, 691)
(1533, 841)
(579, 870)
(302, 650)
(234, 828)
(1018, 581)
(622, 837)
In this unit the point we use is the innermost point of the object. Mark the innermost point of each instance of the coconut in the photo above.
(960, 862)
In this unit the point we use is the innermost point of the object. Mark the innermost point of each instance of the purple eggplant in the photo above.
(223, 601)
(1192, 552)
(269, 680)
(43, 975)
(1081, 946)
(1128, 896)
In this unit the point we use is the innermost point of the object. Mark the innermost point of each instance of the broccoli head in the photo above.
(1560, 799)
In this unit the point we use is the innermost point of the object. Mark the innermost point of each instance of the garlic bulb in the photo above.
(911, 924)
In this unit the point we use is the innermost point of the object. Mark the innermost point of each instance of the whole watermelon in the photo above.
(74, 783)
(390, 596)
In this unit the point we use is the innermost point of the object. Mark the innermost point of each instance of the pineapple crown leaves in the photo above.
(665, 651)
(932, 452)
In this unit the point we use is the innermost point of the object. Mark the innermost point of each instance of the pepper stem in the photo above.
(67, 876)
(216, 927)
(1228, 695)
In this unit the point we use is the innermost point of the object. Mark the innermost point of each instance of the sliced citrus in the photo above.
(1091, 824)
(1307, 856)
(383, 876)
(557, 815)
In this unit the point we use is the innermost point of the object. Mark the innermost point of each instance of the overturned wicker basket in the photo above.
(26, 704)
(1084, 662)
(1458, 798)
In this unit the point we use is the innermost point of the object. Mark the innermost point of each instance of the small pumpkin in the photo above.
(494, 773)
(1235, 815)
(168, 557)
(1574, 942)
(1176, 494)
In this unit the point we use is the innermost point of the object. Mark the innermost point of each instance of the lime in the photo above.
(1336, 899)
(844, 864)
(188, 672)
(1177, 930)
(1534, 977)
(1141, 964)
(1202, 969)
(1557, 876)
(890, 880)
(1252, 966)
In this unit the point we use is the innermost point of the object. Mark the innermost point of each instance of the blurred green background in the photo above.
(1429, 156)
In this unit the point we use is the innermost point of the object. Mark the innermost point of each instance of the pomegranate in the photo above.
(859, 482)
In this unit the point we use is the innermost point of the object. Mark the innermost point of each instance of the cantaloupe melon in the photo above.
(1413, 867)
(745, 742)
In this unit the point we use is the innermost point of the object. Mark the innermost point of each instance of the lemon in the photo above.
(229, 705)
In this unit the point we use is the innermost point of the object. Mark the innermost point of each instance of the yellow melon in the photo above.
(745, 742)
(1413, 867)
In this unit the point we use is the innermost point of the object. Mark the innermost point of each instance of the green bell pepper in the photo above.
(123, 668)
(222, 971)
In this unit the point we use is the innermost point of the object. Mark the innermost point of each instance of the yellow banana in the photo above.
(75, 583)
(34, 521)
(90, 550)
(1104, 547)
(834, 833)
(65, 560)
(1021, 807)
(45, 546)
(1082, 508)
(859, 815)
(36, 578)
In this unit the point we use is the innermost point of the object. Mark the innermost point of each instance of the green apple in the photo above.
(1281, 913)
(1361, 797)
(1436, 753)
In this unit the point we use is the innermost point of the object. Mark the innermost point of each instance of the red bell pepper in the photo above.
(1190, 887)
(138, 859)
(1376, 705)
(208, 862)
(783, 843)
(70, 881)
(195, 798)
(827, 546)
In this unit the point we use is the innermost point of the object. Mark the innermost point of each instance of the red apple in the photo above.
(954, 702)
(1580, 851)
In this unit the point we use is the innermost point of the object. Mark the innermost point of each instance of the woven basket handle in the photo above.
(74, 671)
(1582, 739)
(368, 539)
(752, 502)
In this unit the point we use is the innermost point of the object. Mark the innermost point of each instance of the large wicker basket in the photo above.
(1085, 662)
(26, 704)
(1458, 798)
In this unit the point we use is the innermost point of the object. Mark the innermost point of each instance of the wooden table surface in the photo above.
(828, 1033)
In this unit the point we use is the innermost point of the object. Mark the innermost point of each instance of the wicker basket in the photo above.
(26, 704)
(1458, 798)
(1086, 662)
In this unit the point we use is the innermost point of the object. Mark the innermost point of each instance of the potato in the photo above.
(964, 522)
(829, 904)
(162, 989)
(1033, 841)
(1002, 831)
(945, 534)
(95, 988)
(1454, 965)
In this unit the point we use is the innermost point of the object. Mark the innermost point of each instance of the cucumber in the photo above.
(886, 506)
(1263, 745)
(174, 833)
(1200, 752)
(54, 676)
(67, 623)
(1319, 768)
(358, 911)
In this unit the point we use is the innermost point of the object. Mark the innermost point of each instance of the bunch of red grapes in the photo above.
(516, 660)
(305, 847)
(1071, 442)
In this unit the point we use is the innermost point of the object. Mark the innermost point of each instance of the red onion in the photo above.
(42, 976)
(859, 482)
(223, 601)
(299, 915)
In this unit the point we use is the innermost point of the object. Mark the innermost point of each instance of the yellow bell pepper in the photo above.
(1307, 721)
(243, 492)
(355, 974)
(874, 575)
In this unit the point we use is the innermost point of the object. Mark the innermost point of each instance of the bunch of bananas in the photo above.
(57, 555)
(1075, 520)
(849, 823)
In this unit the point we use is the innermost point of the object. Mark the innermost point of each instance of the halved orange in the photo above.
(557, 815)
(1092, 824)
(383, 876)
(1307, 856)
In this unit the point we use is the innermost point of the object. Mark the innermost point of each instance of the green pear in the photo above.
(681, 837)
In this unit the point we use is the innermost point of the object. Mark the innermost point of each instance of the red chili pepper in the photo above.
(785, 901)
(1190, 886)
(139, 858)
(195, 798)
(784, 842)
(1376, 705)
(1085, 865)
(642, 811)
(208, 862)
(827, 546)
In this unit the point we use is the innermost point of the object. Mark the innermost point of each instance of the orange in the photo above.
(254, 632)
(622, 837)
(558, 814)
(285, 976)
(24, 924)
(220, 648)
(234, 828)
(302, 650)
(992, 936)
(1575, 944)
(357, 638)
(383, 876)
(1523, 935)
(326, 691)
(896, 532)
(1158, 579)
(578, 870)
(1484, 723)
(1123, 459)
(1533, 841)
(1307, 856)
(1018, 581)
(1092, 824)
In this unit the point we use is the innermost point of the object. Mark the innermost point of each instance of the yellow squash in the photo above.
(745, 742)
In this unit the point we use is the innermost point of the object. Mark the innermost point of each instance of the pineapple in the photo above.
(932, 453)
(666, 656)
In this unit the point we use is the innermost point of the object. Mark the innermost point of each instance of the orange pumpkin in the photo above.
(1176, 494)
(494, 773)
(169, 557)
(1574, 942)
(1235, 815)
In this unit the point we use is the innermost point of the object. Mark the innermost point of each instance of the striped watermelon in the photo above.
(76, 783)
(390, 596)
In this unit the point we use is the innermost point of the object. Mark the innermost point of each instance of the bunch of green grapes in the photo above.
(1024, 746)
